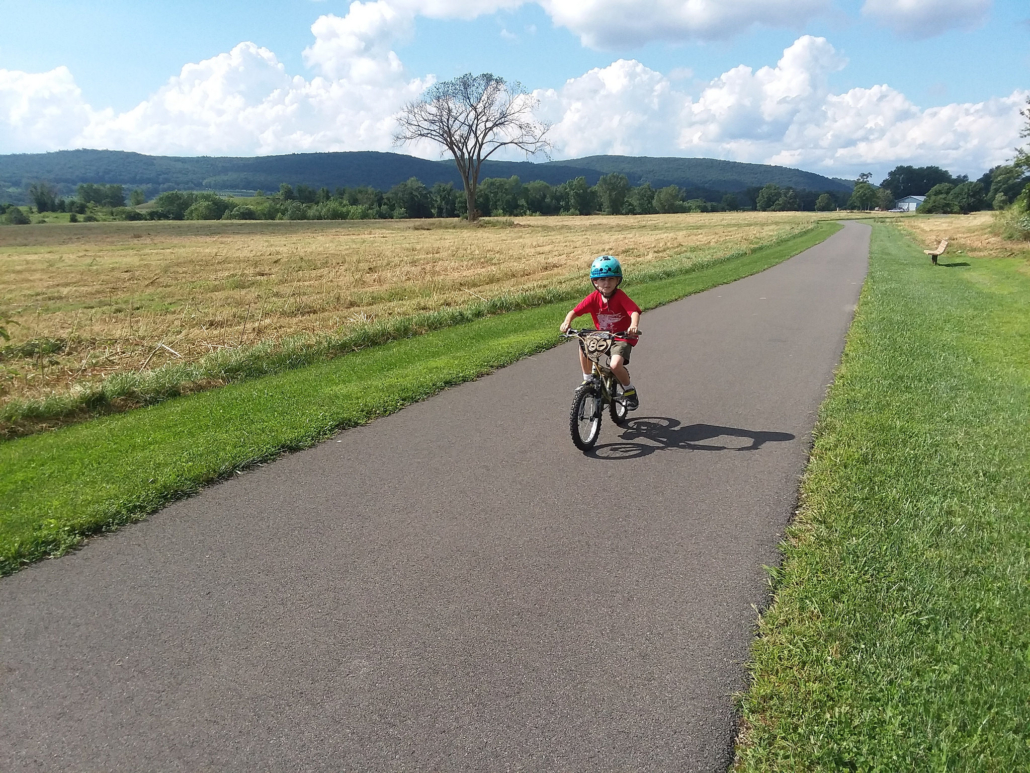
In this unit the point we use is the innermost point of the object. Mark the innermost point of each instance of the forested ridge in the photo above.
(702, 178)
(710, 173)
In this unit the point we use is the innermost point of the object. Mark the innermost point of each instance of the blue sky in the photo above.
(863, 84)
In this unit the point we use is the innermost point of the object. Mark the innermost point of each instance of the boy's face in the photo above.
(607, 285)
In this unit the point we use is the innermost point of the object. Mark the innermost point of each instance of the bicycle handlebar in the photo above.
(573, 333)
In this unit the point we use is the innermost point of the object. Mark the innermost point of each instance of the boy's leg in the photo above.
(620, 370)
(629, 392)
(585, 364)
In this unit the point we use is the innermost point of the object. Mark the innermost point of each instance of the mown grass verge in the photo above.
(899, 635)
(57, 488)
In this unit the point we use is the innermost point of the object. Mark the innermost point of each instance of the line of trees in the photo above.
(957, 194)
(45, 198)
(90, 201)
(613, 195)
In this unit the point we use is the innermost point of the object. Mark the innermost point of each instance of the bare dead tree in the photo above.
(474, 116)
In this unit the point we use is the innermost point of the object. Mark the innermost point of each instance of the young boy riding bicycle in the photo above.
(614, 311)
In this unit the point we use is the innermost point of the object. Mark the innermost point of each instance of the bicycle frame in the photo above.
(606, 379)
(596, 345)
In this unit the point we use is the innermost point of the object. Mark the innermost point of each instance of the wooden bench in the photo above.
(934, 254)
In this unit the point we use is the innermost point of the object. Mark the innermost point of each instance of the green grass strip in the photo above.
(899, 636)
(57, 488)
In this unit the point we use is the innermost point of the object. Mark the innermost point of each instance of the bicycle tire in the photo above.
(585, 417)
(617, 407)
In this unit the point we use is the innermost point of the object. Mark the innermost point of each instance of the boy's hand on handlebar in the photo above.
(564, 327)
(633, 331)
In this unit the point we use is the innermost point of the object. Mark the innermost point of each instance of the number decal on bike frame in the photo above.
(598, 349)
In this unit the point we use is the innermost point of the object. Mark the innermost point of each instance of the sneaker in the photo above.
(589, 381)
(630, 397)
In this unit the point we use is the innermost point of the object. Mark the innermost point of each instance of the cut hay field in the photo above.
(974, 234)
(94, 301)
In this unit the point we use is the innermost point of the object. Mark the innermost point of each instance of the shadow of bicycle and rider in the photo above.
(660, 433)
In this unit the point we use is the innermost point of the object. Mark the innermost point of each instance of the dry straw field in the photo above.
(91, 300)
(973, 234)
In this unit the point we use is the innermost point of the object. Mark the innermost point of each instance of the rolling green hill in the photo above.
(711, 173)
(66, 169)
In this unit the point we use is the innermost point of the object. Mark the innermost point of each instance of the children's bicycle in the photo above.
(601, 391)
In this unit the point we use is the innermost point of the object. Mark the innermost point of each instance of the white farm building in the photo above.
(909, 203)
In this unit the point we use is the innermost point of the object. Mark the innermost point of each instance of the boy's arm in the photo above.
(581, 308)
(634, 323)
(568, 320)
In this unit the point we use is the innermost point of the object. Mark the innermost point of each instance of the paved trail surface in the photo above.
(455, 587)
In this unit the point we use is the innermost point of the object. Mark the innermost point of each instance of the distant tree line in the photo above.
(90, 200)
(947, 194)
(612, 195)
(944, 193)
(997, 189)
(44, 197)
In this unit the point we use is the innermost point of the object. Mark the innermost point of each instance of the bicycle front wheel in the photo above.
(585, 419)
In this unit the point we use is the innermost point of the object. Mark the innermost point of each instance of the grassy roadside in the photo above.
(57, 488)
(899, 636)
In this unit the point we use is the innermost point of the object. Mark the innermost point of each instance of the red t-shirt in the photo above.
(611, 315)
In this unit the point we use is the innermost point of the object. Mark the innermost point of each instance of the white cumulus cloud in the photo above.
(618, 24)
(455, 9)
(624, 109)
(40, 111)
(879, 128)
(784, 114)
(613, 24)
(762, 105)
(243, 102)
(358, 47)
(927, 18)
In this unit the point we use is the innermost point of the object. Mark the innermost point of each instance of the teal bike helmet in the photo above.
(605, 266)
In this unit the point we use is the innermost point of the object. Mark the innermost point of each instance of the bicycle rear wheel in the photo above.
(585, 418)
(617, 407)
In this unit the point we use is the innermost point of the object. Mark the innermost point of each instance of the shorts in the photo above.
(623, 348)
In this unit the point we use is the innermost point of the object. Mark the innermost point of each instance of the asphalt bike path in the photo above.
(455, 587)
